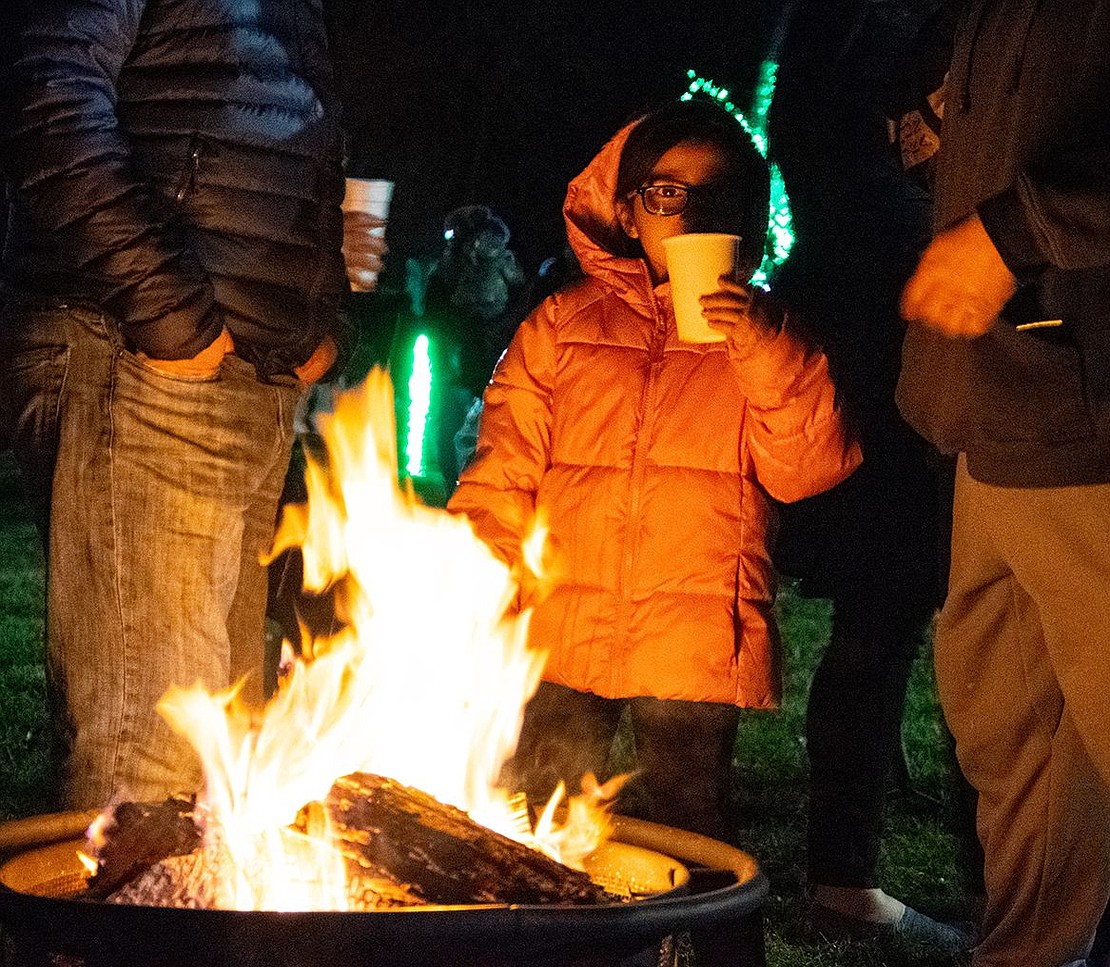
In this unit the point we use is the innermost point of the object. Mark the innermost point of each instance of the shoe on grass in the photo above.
(828, 924)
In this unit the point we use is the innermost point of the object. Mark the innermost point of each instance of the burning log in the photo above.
(398, 834)
(401, 847)
(139, 836)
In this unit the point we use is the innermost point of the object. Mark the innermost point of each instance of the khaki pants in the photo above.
(1023, 669)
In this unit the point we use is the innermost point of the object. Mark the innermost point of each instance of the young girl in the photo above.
(655, 462)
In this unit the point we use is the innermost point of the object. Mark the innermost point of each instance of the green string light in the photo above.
(780, 221)
(420, 401)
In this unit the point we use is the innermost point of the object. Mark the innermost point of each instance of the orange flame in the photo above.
(426, 683)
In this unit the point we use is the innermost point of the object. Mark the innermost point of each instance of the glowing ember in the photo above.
(426, 684)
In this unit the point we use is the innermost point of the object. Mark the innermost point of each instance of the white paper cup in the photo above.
(370, 195)
(695, 264)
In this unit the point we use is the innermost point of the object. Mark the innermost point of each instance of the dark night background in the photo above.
(503, 103)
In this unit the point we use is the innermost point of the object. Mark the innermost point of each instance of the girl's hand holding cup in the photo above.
(745, 315)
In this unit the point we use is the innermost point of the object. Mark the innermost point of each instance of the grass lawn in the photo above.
(921, 861)
(23, 739)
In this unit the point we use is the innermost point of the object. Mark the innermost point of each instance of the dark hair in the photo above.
(704, 122)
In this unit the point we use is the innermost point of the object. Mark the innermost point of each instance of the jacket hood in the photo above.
(593, 231)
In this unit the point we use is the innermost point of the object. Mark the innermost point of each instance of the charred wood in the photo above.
(138, 837)
(401, 847)
(393, 833)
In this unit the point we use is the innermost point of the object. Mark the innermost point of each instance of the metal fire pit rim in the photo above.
(403, 936)
(35, 837)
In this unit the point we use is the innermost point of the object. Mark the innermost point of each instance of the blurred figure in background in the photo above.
(472, 305)
(850, 69)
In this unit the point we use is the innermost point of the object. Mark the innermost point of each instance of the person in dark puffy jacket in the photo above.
(172, 273)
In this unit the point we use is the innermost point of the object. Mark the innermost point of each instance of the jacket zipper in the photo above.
(639, 458)
(189, 176)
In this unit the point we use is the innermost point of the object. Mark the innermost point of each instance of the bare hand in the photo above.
(960, 284)
(743, 314)
(363, 251)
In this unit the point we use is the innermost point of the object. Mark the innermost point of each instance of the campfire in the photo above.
(359, 814)
(383, 736)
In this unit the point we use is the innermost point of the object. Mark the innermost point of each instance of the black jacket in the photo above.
(1026, 143)
(178, 162)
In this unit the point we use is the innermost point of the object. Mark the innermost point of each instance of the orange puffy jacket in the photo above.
(653, 461)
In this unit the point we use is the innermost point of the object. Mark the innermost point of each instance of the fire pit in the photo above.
(383, 747)
(47, 925)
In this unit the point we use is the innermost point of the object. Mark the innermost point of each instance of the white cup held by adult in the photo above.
(365, 211)
(695, 264)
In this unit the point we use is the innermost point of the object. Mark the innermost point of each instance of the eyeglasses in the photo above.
(663, 199)
(672, 199)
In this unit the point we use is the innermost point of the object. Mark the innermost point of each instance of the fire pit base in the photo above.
(724, 899)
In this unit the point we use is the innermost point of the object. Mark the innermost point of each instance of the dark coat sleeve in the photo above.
(70, 169)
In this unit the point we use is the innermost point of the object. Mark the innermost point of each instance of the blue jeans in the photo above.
(155, 496)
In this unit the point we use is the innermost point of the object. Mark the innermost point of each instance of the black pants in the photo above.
(683, 758)
(853, 735)
(683, 754)
(872, 544)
